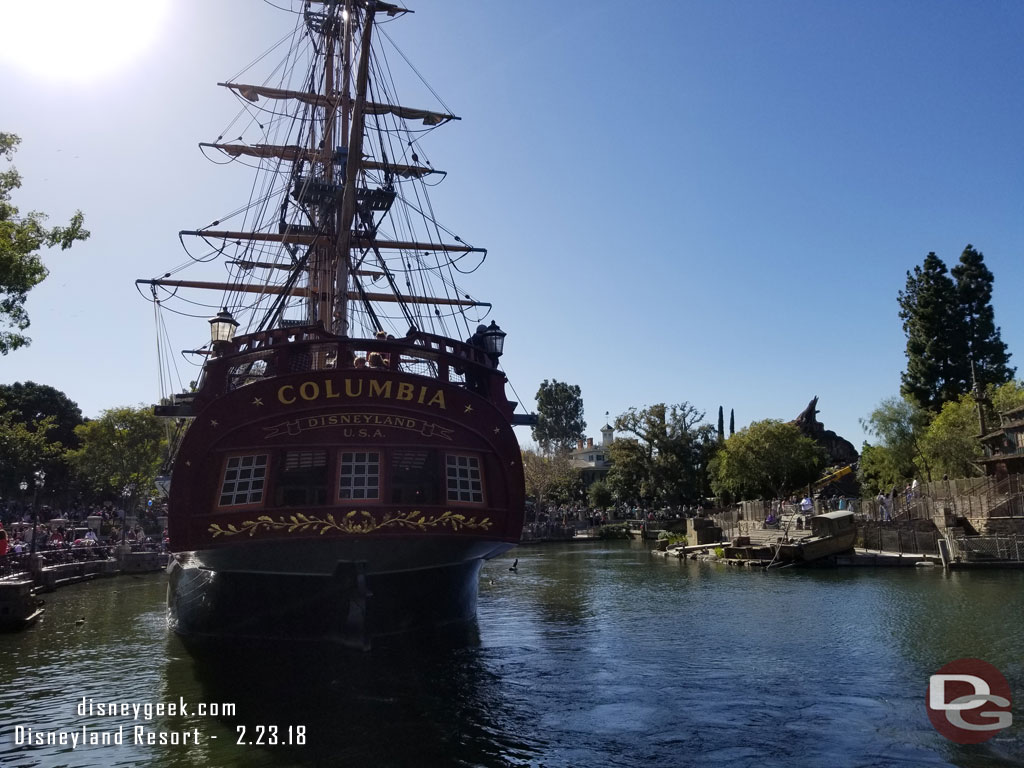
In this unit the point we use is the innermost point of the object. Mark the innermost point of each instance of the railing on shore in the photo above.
(892, 537)
(997, 548)
(13, 564)
(970, 497)
(547, 532)
(903, 536)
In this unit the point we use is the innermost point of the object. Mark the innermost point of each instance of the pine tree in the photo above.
(938, 364)
(732, 423)
(984, 342)
(721, 425)
(559, 416)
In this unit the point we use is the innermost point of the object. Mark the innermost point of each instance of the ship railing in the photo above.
(255, 357)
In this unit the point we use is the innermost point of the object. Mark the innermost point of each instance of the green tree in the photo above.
(900, 426)
(547, 475)
(121, 449)
(877, 470)
(38, 425)
(599, 495)
(630, 478)
(559, 416)
(951, 442)
(768, 459)
(732, 422)
(662, 456)
(1007, 396)
(25, 446)
(985, 345)
(938, 368)
(21, 237)
(721, 425)
(31, 402)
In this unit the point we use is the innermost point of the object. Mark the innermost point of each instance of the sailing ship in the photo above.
(344, 466)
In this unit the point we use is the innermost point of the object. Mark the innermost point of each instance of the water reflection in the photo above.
(405, 703)
(589, 654)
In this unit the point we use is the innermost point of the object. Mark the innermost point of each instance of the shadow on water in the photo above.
(586, 654)
(403, 703)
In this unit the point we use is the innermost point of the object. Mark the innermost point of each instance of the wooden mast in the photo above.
(348, 200)
(321, 302)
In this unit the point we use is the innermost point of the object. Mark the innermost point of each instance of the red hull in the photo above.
(337, 416)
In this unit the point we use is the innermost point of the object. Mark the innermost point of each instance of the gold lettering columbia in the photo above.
(331, 389)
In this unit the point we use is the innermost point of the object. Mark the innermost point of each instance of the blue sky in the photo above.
(714, 202)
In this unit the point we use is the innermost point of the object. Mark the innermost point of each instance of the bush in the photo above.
(719, 552)
(618, 531)
(674, 539)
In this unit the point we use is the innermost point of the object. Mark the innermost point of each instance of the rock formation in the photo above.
(839, 450)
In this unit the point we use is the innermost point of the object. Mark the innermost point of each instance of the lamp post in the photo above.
(40, 476)
(22, 486)
(126, 494)
(222, 330)
(494, 342)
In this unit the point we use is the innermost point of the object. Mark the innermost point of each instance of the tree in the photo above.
(721, 425)
(768, 459)
(949, 323)
(985, 346)
(732, 422)
(900, 425)
(938, 368)
(25, 446)
(30, 401)
(559, 416)
(38, 426)
(951, 444)
(120, 450)
(877, 471)
(599, 495)
(21, 237)
(546, 474)
(1007, 397)
(663, 455)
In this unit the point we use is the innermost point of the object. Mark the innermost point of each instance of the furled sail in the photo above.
(254, 92)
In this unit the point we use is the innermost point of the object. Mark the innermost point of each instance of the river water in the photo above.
(590, 654)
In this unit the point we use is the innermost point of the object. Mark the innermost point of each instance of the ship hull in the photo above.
(354, 603)
(339, 503)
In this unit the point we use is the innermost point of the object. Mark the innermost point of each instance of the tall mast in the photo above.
(348, 20)
(348, 200)
(320, 278)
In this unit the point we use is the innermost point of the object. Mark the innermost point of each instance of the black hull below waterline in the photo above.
(351, 607)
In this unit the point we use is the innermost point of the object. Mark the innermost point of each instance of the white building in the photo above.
(592, 460)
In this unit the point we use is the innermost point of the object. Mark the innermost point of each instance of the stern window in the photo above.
(360, 476)
(464, 480)
(413, 477)
(244, 477)
(302, 480)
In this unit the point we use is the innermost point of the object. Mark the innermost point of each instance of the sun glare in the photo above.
(76, 40)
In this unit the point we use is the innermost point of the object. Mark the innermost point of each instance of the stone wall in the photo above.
(994, 525)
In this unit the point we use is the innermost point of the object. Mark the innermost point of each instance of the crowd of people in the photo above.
(77, 533)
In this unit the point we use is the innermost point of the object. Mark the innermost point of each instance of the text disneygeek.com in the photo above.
(143, 731)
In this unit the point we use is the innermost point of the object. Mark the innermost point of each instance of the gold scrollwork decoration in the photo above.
(356, 521)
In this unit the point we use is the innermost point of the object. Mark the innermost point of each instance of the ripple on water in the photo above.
(588, 655)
